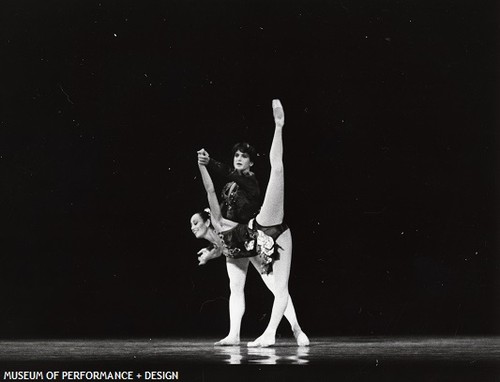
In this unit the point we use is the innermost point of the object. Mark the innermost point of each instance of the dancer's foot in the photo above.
(279, 114)
(228, 341)
(262, 342)
(301, 338)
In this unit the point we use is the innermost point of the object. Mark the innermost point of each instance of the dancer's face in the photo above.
(242, 162)
(199, 227)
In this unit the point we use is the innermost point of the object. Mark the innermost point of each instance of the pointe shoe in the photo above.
(302, 339)
(278, 113)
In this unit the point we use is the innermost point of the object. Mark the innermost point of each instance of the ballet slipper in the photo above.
(302, 339)
(228, 341)
(262, 342)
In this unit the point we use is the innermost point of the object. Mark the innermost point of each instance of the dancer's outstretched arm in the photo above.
(213, 202)
(220, 223)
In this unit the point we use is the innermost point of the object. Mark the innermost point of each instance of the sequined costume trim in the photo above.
(253, 240)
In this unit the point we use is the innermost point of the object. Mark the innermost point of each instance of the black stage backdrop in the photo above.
(390, 159)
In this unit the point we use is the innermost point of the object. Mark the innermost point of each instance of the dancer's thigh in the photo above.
(237, 271)
(281, 267)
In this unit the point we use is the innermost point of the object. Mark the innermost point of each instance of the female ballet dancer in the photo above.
(266, 241)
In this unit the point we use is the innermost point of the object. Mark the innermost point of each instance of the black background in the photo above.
(390, 160)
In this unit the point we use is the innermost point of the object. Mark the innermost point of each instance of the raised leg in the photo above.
(237, 272)
(272, 210)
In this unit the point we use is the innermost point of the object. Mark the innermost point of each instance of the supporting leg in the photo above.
(290, 314)
(280, 274)
(237, 272)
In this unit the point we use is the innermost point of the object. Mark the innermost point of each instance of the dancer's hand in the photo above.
(206, 254)
(203, 157)
(279, 114)
(203, 256)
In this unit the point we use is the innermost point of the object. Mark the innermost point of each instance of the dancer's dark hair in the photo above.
(246, 148)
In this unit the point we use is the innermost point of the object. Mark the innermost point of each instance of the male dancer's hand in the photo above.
(203, 157)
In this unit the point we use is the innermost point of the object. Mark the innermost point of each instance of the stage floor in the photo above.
(451, 358)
